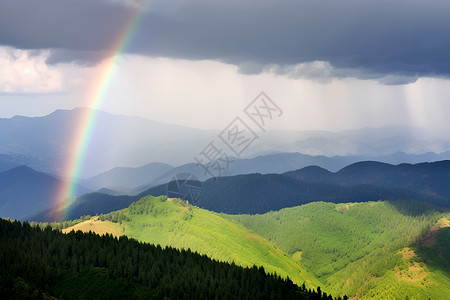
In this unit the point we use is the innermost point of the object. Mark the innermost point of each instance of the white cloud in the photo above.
(22, 72)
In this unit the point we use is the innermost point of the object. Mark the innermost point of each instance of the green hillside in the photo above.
(368, 250)
(173, 223)
(373, 250)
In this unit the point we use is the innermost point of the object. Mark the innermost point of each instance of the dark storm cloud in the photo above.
(76, 25)
(367, 39)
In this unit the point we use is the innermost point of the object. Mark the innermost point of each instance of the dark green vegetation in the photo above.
(44, 264)
(428, 178)
(256, 193)
(367, 249)
(253, 193)
(438, 256)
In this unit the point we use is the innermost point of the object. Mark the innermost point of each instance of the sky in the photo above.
(329, 65)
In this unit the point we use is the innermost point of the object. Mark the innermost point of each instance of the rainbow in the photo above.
(83, 130)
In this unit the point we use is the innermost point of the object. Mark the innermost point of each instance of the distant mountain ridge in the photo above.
(133, 141)
(123, 178)
(24, 191)
(428, 178)
(436, 185)
(116, 139)
(257, 193)
(284, 162)
(10, 160)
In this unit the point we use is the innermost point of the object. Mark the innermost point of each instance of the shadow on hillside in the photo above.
(415, 208)
(436, 256)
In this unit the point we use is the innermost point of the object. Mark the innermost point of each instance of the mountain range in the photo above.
(137, 180)
(362, 212)
(427, 178)
(261, 193)
(119, 140)
(125, 178)
(133, 141)
(24, 191)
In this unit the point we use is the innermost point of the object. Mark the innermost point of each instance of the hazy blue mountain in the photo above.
(116, 140)
(9, 161)
(428, 178)
(369, 142)
(24, 191)
(132, 141)
(284, 162)
(191, 168)
(376, 142)
(402, 157)
(109, 192)
(125, 178)
(265, 164)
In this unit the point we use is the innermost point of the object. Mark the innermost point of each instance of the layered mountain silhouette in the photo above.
(9, 161)
(264, 164)
(115, 141)
(118, 140)
(258, 193)
(24, 191)
(125, 178)
(427, 178)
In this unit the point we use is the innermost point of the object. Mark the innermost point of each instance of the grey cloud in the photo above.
(397, 79)
(321, 70)
(251, 67)
(73, 25)
(84, 58)
(395, 40)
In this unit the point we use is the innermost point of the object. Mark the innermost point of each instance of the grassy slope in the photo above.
(357, 249)
(97, 227)
(368, 250)
(172, 223)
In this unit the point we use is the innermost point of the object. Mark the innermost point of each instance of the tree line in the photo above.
(42, 263)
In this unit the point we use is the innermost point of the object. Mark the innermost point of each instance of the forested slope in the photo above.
(47, 264)
(173, 223)
(363, 249)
